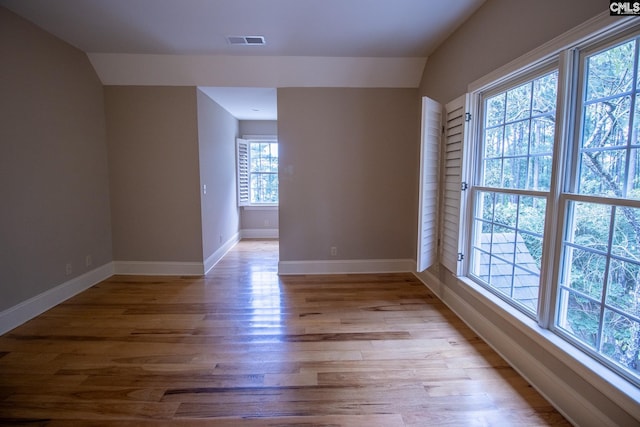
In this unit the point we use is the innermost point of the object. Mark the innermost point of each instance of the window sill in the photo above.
(260, 207)
(607, 381)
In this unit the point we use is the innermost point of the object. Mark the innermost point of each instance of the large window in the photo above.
(257, 172)
(599, 293)
(512, 188)
(556, 150)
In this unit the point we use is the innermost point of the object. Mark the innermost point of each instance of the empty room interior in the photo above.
(349, 213)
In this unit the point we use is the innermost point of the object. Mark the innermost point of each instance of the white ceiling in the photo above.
(119, 35)
(246, 103)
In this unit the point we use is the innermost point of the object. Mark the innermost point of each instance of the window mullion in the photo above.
(549, 270)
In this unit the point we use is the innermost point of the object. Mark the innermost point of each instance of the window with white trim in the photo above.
(257, 170)
(512, 187)
(552, 165)
(599, 283)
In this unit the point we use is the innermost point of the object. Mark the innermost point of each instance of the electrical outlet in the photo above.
(88, 261)
(68, 269)
(334, 251)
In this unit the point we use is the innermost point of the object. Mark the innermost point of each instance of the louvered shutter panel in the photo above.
(242, 159)
(453, 201)
(429, 160)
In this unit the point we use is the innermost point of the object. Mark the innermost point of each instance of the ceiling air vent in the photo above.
(246, 40)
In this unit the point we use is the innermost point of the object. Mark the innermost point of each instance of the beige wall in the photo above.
(499, 32)
(217, 132)
(348, 173)
(53, 163)
(154, 176)
(259, 219)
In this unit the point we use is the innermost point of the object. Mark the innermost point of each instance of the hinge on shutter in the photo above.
(467, 117)
(464, 186)
(460, 256)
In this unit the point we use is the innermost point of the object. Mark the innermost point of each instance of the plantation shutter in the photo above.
(455, 127)
(429, 160)
(242, 166)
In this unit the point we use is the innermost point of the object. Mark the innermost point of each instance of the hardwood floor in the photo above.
(243, 346)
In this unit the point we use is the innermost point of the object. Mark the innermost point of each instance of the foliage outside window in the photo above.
(511, 198)
(599, 293)
(595, 295)
(257, 172)
(263, 175)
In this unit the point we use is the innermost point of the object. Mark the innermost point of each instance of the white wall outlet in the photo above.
(68, 269)
(334, 251)
(88, 261)
(204, 189)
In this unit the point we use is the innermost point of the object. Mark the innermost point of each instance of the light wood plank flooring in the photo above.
(243, 346)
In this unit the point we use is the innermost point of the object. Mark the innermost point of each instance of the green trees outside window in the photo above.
(594, 199)
(263, 172)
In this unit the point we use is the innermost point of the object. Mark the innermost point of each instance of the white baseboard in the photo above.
(346, 266)
(579, 409)
(260, 233)
(152, 268)
(27, 310)
(214, 258)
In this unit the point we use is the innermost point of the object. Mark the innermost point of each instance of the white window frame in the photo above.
(560, 49)
(243, 170)
(475, 170)
(572, 195)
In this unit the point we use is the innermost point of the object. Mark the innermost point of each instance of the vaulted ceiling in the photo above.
(365, 43)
